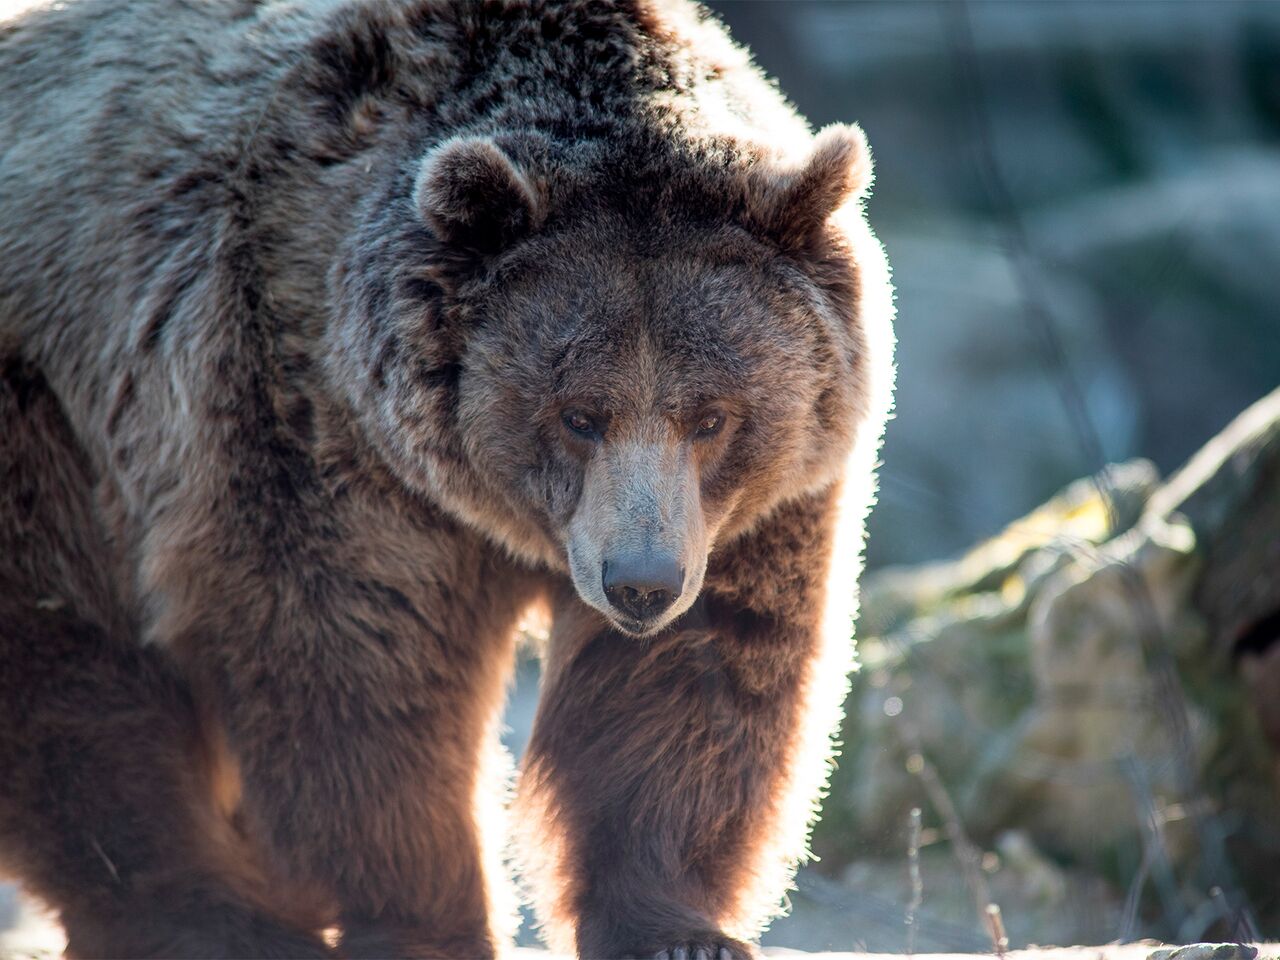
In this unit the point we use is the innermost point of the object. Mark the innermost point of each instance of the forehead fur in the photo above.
(623, 318)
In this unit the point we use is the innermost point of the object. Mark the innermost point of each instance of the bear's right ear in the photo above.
(792, 205)
(471, 194)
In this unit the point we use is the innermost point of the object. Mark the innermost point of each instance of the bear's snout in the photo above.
(642, 585)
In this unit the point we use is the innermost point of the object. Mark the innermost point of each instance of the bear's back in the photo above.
(102, 104)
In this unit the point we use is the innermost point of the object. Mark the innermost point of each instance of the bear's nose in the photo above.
(642, 585)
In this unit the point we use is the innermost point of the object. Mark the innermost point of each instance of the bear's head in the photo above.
(612, 364)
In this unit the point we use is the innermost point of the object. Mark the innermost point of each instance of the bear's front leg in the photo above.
(679, 771)
(359, 679)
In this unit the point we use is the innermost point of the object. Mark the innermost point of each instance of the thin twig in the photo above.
(967, 854)
(1155, 856)
(914, 830)
(870, 909)
(995, 927)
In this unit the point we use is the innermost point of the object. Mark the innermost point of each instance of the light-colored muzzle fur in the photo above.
(640, 498)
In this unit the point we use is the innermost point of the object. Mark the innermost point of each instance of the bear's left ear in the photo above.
(792, 205)
(472, 194)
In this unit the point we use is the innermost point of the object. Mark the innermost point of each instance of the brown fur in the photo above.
(294, 306)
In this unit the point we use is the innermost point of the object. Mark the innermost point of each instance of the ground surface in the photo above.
(37, 939)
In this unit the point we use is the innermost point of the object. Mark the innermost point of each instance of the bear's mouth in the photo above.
(693, 618)
(636, 629)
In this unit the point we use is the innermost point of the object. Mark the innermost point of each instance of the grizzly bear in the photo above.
(336, 336)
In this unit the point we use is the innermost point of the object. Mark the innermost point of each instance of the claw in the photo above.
(664, 955)
(680, 953)
(702, 953)
(724, 954)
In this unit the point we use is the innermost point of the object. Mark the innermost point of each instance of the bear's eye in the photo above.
(580, 423)
(709, 425)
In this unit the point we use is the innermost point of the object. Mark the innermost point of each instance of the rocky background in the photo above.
(1086, 711)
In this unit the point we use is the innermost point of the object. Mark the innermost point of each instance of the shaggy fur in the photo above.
(333, 336)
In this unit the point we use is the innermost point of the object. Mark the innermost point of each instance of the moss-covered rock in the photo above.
(1075, 680)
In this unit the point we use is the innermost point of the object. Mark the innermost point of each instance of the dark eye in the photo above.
(580, 423)
(710, 424)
